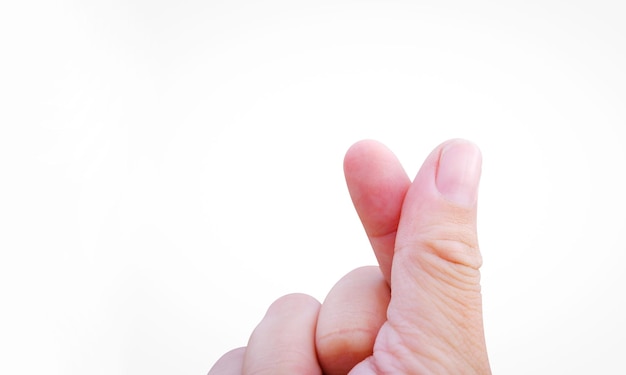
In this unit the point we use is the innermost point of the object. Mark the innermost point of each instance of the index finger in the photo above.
(377, 184)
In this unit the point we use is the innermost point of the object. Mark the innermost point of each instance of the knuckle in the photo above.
(462, 251)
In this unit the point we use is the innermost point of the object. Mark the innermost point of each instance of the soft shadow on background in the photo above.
(169, 168)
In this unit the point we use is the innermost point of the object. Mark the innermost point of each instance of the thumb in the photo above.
(439, 211)
(435, 310)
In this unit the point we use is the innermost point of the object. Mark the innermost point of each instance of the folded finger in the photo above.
(350, 318)
(230, 363)
(284, 341)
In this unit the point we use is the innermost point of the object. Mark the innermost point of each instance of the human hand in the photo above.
(420, 311)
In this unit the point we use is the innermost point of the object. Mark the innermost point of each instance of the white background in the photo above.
(169, 168)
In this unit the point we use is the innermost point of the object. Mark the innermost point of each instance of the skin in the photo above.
(420, 310)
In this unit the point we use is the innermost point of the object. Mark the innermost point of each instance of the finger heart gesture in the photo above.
(420, 310)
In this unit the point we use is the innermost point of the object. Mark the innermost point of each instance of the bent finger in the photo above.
(350, 318)
(284, 341)
(230, 363)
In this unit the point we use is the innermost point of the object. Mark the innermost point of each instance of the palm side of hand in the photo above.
(419, 312)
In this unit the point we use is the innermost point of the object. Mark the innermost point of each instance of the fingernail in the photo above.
(458, 172)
